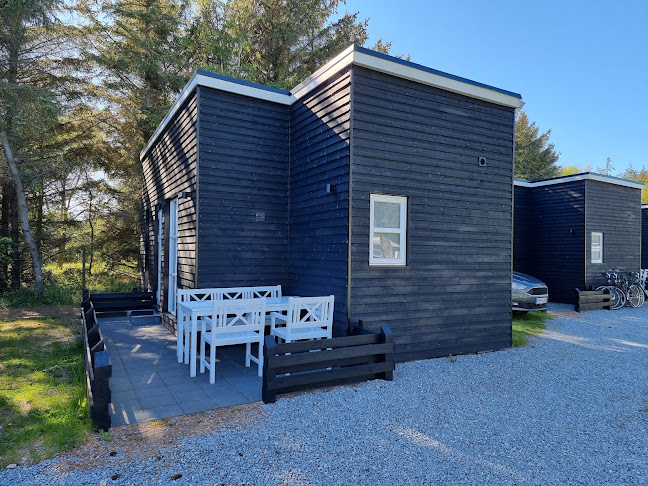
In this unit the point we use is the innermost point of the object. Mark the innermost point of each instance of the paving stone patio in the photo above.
(148, 383)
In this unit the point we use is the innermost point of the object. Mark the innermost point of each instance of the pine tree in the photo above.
(273, 42)
(29, 105)
(535, 157)
(135, 46)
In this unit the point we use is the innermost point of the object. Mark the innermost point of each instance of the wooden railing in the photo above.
(98, 367)
(338, 361)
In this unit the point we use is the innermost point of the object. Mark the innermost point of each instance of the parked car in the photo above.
(529, 293)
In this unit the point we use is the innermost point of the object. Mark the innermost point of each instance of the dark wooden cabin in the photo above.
(275, 187)
(570, 230)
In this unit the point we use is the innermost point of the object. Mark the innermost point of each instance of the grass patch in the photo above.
(528, 324)
(43, 407)
(63, 286)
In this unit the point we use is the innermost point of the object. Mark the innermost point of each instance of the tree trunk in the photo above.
(24, 218)
(16, 267)
(39, 215)
(7, 189)
(64, 219)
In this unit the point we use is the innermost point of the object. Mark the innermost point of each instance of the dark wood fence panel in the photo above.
(116, 304)
(593, 300)
(326, 362)
(98, 367)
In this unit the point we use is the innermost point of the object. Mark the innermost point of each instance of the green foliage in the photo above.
(83, 86)
(6, 246)
(272, 42)
(63, 286)
(569, 170)
(573, 169)
(640, 176)
(43, 405)
(136, 48)
(535, 157)
(528, 324)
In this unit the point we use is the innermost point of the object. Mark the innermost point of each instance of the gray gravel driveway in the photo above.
(570, 408)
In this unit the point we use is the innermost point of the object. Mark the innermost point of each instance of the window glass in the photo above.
(386, 245)
(388, 221)
(597, 247)
(387, 215)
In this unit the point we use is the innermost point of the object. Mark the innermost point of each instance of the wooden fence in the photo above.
(117, 304)
(338, 361)
(98, 367)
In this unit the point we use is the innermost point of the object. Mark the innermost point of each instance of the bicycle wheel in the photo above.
(642, 295)
(618, 298)
(635, 296)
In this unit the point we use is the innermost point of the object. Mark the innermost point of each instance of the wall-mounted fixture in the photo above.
(482, 162)
(185, 195)
(330, 188)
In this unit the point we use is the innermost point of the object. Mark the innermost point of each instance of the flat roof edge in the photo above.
(581, 177)
(223, 83)
(352, 55)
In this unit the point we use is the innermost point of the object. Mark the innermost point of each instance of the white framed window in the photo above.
(173, 254)
(597, 247)
(388, 230)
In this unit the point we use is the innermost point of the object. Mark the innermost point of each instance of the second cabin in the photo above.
(570, 230)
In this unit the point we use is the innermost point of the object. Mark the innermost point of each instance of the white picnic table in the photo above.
(204, 308)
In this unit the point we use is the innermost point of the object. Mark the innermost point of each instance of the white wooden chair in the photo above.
(263, 292)
(233, 321)
(307, 318)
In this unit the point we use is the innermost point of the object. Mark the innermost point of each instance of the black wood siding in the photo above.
(319, 155)
(243, 194)
(408, 139)
(615, 211)
(169, 168)
(523, 254)
(644, 238)
(557, 229)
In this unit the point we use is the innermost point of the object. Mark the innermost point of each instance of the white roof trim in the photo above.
(320, 76)
(352, 56)
(349, 56)
(644, 206)
(582, 177)
(221, 84)
(431, 79)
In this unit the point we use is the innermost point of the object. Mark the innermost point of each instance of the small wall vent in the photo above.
(482, 161)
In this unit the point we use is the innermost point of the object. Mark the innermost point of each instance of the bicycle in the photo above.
(618, 299)
(624, 290)
(634, 293)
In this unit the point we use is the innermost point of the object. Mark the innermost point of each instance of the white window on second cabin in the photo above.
(597, 247)
(388, 230)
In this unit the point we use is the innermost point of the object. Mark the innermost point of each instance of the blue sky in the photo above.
(580, 66)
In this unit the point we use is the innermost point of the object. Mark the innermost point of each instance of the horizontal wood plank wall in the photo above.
(319, 155)
(243, 233)
(523, 254)
(169, 168)
(557, 223)
(644, 238)
(614, 211)
(454, 296)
